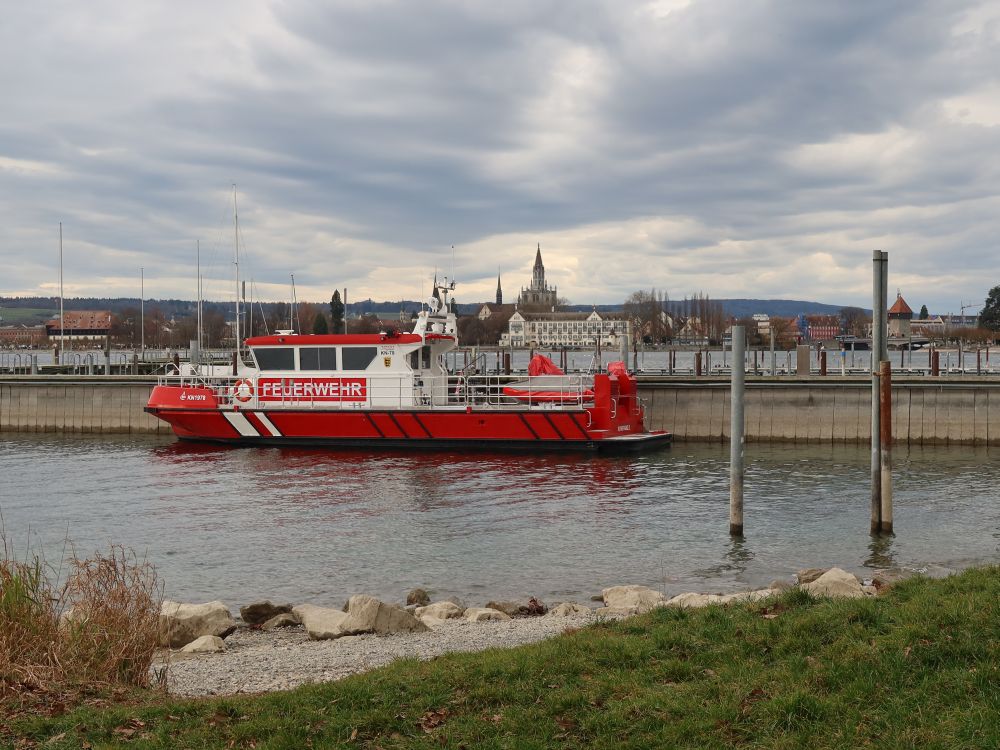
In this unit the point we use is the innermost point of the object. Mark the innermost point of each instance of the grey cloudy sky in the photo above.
(744, 148)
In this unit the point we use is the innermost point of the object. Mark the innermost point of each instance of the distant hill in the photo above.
(740, 308)
(31, 310)
(783, 308)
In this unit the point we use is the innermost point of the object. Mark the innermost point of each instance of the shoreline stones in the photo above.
(260, 612)
(284, 620)
(440, 611)
(485, 614)
(180, 624)
(693, 600)
(625, 600)
(207, 644)
(835, 583)
(277, 656)
(808, 575)
(183, 624)
(320, 623)
(533, 607)
(364, 614)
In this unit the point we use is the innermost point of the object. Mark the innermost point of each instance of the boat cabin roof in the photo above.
(353, 339)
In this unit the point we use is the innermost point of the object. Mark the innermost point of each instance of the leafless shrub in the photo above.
(98, 629)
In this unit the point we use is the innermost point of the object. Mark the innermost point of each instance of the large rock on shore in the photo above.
(694, 600)
(636, 599)
(284, 620)
(835, 583)
(808, 575)
(366, 614)
(182, 623)
(531, 607)
(207, 644)
(691, 599)
(260, 612)
(321, 623)
(440, 611)
(484, 614)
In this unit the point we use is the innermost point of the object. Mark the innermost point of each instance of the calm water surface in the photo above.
(312, 525)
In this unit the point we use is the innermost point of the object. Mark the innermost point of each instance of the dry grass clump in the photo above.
(96, 629)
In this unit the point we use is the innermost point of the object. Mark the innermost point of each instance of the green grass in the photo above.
(917, 667)
(26, 315)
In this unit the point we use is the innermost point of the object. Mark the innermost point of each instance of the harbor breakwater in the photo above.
(925, 411)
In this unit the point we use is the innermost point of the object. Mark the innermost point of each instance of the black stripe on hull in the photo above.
(528, 425)
(652, 442)
(371, 421)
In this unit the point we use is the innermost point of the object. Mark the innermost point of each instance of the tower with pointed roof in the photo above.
(900, 316)
(499, 290)
(539, 295)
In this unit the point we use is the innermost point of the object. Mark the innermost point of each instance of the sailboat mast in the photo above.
(197, 309)
(142, 312)
(236, 256)
(62, 317)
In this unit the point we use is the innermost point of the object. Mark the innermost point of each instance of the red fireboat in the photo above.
(392, 389)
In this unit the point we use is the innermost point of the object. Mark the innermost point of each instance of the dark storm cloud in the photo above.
(742, 148)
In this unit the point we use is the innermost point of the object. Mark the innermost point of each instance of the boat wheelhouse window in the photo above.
(317, 358)
(425, 357)
(358, 357)
(275, 358)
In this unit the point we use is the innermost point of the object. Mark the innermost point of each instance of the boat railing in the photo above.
(423, 391)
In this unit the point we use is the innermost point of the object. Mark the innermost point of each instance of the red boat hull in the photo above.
(613, 422)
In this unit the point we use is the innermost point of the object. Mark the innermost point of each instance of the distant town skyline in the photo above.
(740, 149)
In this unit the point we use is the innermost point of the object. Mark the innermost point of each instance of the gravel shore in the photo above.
(256, 661)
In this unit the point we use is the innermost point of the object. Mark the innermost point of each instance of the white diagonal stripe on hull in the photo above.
(267, 423)
(241, 424)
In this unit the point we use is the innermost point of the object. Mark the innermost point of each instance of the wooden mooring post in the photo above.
(885, 418)
(736, 433)
(879, 355)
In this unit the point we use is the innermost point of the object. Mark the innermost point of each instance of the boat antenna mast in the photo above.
(293, 314)
(62, 315)
(236, 263)
(198, 308)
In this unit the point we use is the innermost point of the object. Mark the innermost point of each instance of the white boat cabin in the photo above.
(390, 370)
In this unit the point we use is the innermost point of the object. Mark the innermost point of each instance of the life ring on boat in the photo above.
(243, 390)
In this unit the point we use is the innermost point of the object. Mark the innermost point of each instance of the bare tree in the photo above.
(854, 321)
(647, 314)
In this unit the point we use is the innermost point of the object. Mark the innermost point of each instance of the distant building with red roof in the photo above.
(900, 316)
(81, 325)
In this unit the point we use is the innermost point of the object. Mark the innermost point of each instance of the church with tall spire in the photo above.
(539, 294)
(499, 290)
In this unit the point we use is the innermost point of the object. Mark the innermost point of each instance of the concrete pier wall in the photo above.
(833, 409)
(97, 404)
